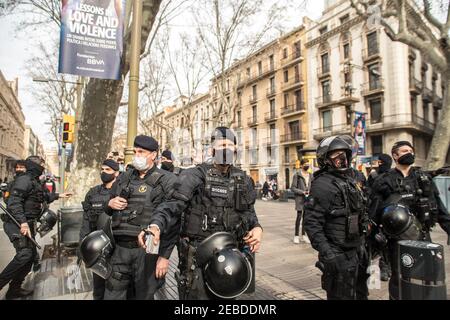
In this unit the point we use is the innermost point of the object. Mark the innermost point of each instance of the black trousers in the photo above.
(297, 222)
(132, 267)
(350, 283)
(99, 287)
(16, 271)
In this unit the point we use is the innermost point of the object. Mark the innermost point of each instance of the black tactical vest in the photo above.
(35, 200)
(346, 217)
(97, 200)
(144, 195)
(220, 204)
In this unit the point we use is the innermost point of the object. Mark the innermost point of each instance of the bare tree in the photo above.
(416, 24)
(227, 31)
(55, 97)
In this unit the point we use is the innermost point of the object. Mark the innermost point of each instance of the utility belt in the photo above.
(126, 242)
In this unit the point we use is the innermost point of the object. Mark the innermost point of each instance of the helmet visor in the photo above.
(102, 268)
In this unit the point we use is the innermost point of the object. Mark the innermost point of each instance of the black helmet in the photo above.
(333, 143)
(212, 244)
(96, 250)
(47, 221)
(228, 273)
(399, 223)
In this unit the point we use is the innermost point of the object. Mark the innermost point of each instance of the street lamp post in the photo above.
(135, 52)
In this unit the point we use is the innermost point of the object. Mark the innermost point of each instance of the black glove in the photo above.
(335, 263)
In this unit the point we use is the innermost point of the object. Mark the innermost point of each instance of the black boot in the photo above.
(17, 293)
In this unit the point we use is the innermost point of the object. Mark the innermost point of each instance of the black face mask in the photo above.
(34, 169)
(407, 159)
(224, 156)
(340, 162)
(168, 166)
(107, 177)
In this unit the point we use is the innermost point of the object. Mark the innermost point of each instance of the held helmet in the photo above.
(215, 242)
(334, 143)
(228, 274)
(399, 223)
(47, 221)
(96, 250)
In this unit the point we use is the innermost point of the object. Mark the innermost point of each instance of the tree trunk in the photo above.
(100, 106)
(441, 138)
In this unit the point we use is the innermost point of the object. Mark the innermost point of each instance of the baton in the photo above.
(18, 224)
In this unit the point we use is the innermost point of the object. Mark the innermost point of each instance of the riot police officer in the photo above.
(25, 203)
(135, 196)
(94, 205)
(217, 200)
(415, 190)
(335, 221)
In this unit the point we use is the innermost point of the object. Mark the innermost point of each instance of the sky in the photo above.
(16, 47)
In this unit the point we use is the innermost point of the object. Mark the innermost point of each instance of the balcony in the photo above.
(371, 54)
(437, 101)
(269, 141)
(427, 94)
(293, 137)
(271, 92)
(267, 69)
(415, 86)
(372, 87)
(252, 121)
(270, 116)
(401, 121)
(323, 71)
(291, 59)
(294, 109)
(320, 133)
(348, 96)
(292, 83)
(324, 101)
(252, 99)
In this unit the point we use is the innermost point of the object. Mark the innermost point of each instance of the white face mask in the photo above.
(140, 163)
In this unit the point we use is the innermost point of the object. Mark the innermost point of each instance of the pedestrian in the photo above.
(27, 199)
(94, 205)
(335, 219)
(400, 192)
(301, 184)
(135, 196)
(216, 231)
(265, 190)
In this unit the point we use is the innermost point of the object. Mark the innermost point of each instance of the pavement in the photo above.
(284, 270)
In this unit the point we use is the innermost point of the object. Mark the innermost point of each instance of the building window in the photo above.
(286, 75)
(323, 30)
(374, 76)
(239, 119)
(260, 69)
(273, 134)
(294, 130)
(298, 98)
(297, 49)
(254, 114)
(375, 111)
(297, 73)
(285, 53)
(326, 93)
(377, 144)
(326, 120)
(346, 49)
(426, 111)
(325, 63)
(286, 100)
(413, 105)
(436, 115)
(272, 84)
(286, 155)
(272, 107)
(344, 18)
(372, 43)
(248, 72)
(254, 92)
(348, 115)
(271, 62)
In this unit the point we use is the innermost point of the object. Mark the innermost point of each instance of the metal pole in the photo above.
(135, 52)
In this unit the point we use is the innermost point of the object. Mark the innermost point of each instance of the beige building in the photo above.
(355, 70)
(268, 92)
(12, 127)
(52, 161)
(32, 144)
